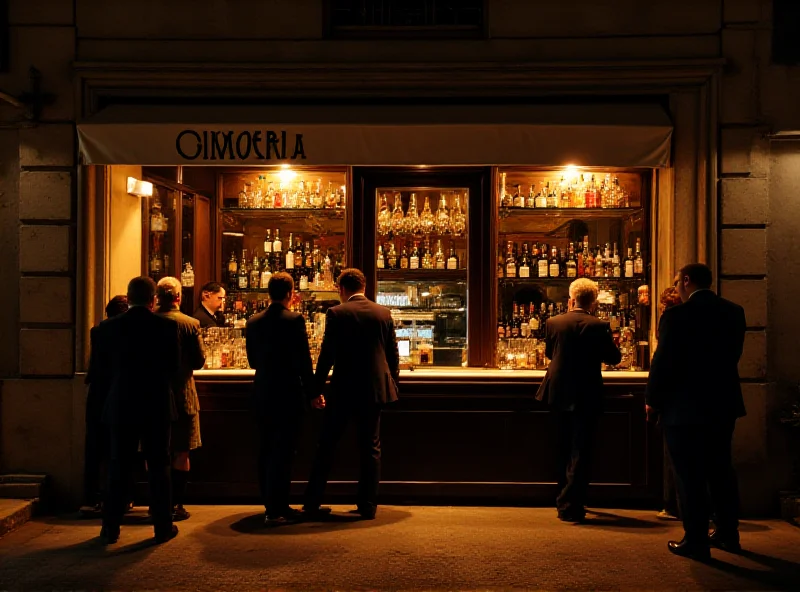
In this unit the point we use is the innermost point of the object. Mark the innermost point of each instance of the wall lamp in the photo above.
(140, 188)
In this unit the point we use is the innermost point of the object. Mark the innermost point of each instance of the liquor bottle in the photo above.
(233, 276)
(277, 245)
(244, 275)
(533, 321)
(426, 221)
(591, 194)
(541, 198)
(519, 198)
(155, 265)
(266, 274)
(555, 264)
(525, 263)
(572, 263)
(615, 263)
(543, 265)
(289, 260)
(452, 260)
(511, 264)
(629, 263)
(524, 327)
(552, 198)
(255, 273)
(268, 245)
(187, 276)
(404, 262)
(515, 321)
(599, 264)
(413, 261)
(392, 263)
(309, 257)
(638, 262)
(501, 329)
(440, 260)
(299, 260)
(530, 202)
(381, 262)
(427, 256)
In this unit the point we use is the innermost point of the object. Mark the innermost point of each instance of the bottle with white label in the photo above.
(525, 263)
(629, 264)
(290, 255)
(413, 262)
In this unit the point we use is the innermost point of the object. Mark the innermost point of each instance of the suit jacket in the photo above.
(97, 376)
(694, 375)
(142, 355)
(277, 348)
(577, 343)
(192, 358)
(206, 318)
(360, 345)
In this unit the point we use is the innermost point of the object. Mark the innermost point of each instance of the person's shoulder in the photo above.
(730, 305)
(256, 319)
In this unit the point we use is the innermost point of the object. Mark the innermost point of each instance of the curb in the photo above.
(16, 517)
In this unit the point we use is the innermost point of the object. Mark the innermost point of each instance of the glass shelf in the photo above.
(429, 275)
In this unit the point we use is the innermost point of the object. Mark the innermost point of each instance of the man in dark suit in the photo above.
(360, 345)
(186, 430)
(694, 391)
(96, 441)
(212, 300)
(142, 354)
(277, 348)
(577, 344)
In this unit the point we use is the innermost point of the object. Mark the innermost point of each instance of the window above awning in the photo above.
(615, 135)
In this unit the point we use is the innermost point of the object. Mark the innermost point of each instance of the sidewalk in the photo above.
(410, 548)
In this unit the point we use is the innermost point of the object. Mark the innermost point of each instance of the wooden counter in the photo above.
(456, 436)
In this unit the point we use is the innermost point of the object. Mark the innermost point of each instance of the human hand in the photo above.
(318, 402)
(651, 413)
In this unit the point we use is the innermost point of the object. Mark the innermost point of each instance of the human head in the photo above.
(168, 292)
(583, 294)
(142, 292)
(351, 281)
(693, 277)
(212, 295)
(116, 306)
(281, 287)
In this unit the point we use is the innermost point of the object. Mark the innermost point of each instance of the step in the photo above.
(14, 513)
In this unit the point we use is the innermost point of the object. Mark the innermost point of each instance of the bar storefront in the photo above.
(469, 223)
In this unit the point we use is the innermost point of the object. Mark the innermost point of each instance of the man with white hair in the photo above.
(577, 344)
(186, 430)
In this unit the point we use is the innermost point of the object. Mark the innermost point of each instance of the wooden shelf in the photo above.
(433, 275)
(286, 212)
(587, 213)
(563, 280)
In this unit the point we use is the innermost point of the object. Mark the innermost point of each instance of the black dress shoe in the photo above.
(684, 548)
(109, 535)
(726, 541)
(162, 536)
(365, 513)
(180, 513)
(319, 513)
(574, 517)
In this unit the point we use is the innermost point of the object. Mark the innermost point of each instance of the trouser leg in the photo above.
(155, 445)
(582, 427)
(723, 485)
(687, 451)
(95, 450)
(279, 464)
(333, 426)
(122, 457)
(368, 433)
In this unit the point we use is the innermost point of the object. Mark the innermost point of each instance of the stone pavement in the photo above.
(408, 548)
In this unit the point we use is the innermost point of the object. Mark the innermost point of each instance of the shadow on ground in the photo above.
(609, 520)
(767, 572)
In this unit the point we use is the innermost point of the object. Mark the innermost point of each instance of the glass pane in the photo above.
(282, 219)
(187, 253)
(558, 225)
(161, 242)
(422, 261)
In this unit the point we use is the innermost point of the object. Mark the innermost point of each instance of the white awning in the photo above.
(547, 135)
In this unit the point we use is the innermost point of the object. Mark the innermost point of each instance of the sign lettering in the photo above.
(228, 145)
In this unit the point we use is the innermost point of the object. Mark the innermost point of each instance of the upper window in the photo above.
(786, 32)
(405, 18)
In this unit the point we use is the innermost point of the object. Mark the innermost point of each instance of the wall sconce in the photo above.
(140, 188)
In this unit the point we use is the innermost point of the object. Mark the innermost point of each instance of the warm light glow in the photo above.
(228, 233)
(571, 172)
(140, 188)
(286, 174)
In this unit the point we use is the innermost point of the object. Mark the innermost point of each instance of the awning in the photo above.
(614, 135)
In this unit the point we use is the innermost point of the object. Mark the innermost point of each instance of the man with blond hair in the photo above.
(186, 429)
(577, 344)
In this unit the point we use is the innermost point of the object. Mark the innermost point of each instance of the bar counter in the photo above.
(461, 435)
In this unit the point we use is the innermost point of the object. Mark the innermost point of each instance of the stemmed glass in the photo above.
(412, 221)
(398, 220)
(427, 222)
(443, 217)
(384, 217)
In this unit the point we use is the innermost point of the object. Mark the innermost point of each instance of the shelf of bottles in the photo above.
(161, 224)
(289, 220)
(421, 263)
(555, 226)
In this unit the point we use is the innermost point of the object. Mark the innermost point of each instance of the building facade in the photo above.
(736, 151)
